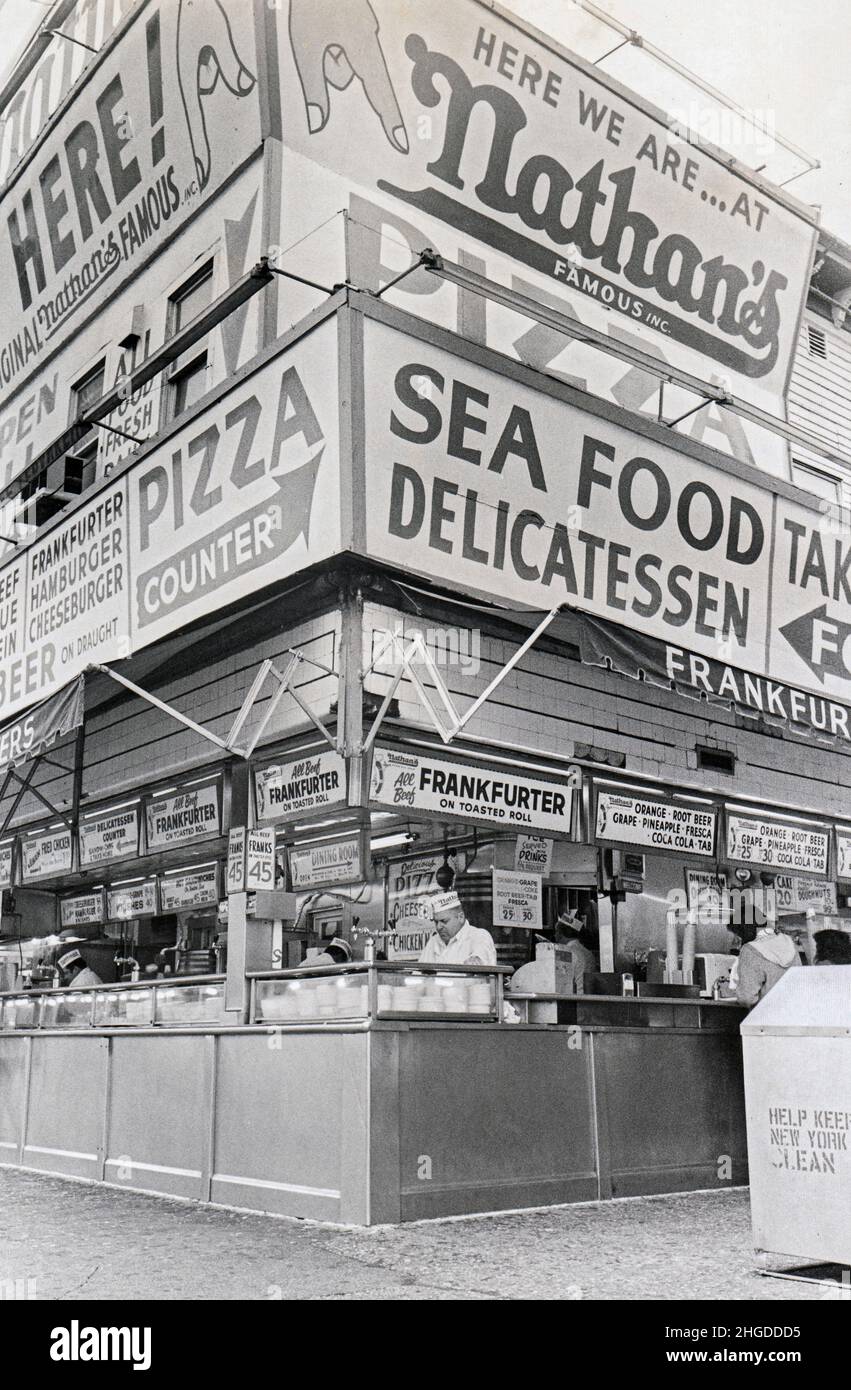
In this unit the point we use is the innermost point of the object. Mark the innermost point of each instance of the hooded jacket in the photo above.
(761, 964)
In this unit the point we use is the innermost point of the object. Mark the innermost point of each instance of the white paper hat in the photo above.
(443, 902)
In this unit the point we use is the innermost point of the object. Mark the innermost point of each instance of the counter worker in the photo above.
(337, 952)
(74, 973)
(455, 941)
(569, 930)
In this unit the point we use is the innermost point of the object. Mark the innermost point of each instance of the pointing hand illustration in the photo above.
(206, 52)
(334, 41)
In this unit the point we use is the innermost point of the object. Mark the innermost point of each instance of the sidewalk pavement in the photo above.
(71, 1240)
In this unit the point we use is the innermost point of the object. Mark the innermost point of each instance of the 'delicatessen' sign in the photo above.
(778, 844)
(655, 824)
(109, 837)
(490, 796)
(523, 495)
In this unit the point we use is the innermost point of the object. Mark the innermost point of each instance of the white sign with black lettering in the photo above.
(410, 884)
(533, 854)
(517, 899)
(843, 854)
(707, 896)
(627, 819)
(82, 910)
(113, 835)
(132, 900)
(183, 816)
(6, 860)
(777, 844)
(300, 787)
(194, 888)
(46, 855)
(324, 865)
(487, 795)
(801, 894)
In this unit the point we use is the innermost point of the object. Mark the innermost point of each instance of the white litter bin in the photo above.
(797, 1062)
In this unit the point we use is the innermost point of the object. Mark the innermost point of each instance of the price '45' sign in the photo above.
(251, 860)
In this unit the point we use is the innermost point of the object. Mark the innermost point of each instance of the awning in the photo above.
(32, 733)
(705, 678)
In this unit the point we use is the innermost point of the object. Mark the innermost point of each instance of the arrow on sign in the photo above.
(242, 544)
(820, 642)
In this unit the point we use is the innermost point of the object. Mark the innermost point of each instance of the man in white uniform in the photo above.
(74, 973)
(455, 941)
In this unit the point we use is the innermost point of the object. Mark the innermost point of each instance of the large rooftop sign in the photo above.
(477, 478)
(477, 131)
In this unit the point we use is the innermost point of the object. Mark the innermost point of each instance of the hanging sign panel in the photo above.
(300, 787)
(132, 900)
(81, 910)
(843, 853)
(7, 859)
(108, 837)
(533, 854)
(517, 899)
(192, 888)
(251, 859)
(777, 844)
(475, 135)
(192, 814)
(707, 896)
(46, 855)
(165, 116)
(800, 894)
(437, 787)
(624, 818)
(327, 864)
(35, 731)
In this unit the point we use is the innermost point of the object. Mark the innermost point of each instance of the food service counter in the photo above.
(395, 1092)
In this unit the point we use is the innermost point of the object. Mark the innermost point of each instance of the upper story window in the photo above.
(815, 481)
(188, 375)
(81, 462)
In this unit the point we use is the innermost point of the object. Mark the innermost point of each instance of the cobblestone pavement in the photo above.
(75, 1240)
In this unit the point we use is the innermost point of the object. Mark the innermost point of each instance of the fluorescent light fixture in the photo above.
(108, 810)
(191, 868)
(385, 841)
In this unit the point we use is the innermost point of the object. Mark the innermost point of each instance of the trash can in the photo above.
(797, 1068)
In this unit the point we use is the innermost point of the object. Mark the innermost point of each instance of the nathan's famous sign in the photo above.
(156, 127)
(488, 133)
(523, 494)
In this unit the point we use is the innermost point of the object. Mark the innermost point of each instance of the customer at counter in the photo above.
(74, 973)
(762, 962)
(455, 941)
(832, 947)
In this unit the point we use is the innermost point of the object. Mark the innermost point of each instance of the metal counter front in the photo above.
(364, 1118)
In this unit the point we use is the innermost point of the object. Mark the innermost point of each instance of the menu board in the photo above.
(82, 910)
(46, 855)
(7, 852)
(410, 884)
(132, 900)
(251, 859)
(777, 844)
(327, 864)
(655, 824)
(192, 888)
(470, 792)
(843, 854)
(182, 817)
(300, 787)
(799, 894)
(108, 837)
(517, 899)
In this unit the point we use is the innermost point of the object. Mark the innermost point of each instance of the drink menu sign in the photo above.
(778, 844)
(626, 819)
(46, 855)
(517, 899)
(183, 817)
(194, 888)
(113, 835)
